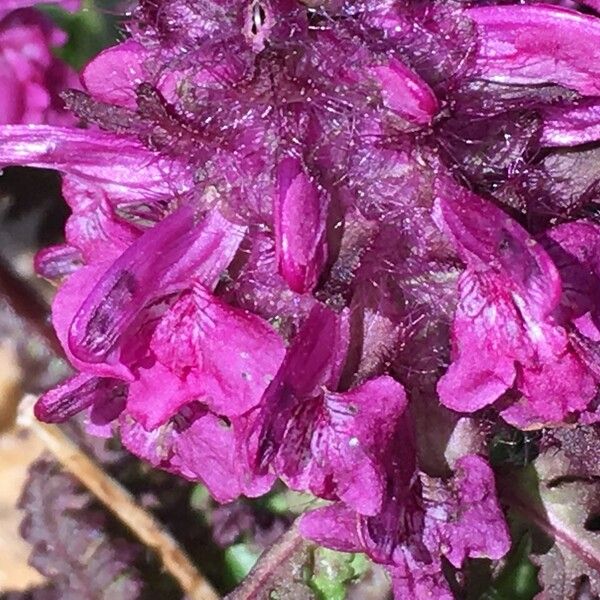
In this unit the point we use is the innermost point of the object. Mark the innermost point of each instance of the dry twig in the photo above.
(117, 499)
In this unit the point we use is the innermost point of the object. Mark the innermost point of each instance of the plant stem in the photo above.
(121, 503)
(255, 586)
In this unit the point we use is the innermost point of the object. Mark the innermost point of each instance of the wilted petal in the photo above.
(405, 92)
(572, 125)
(463, 516)
(300, 212)
(164, 260)
(224, 356)
(114, 75)
(536, 44)
(123, 167)
(78, 393)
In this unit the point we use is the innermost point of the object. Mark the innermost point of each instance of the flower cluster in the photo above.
(292, 219)
(31, 77)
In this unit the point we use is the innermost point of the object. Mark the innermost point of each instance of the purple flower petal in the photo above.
(504, 333)
(123, 167)
(416, 579)
(56, 262)
(575, 249)
(115, 73)
(31, 77)
(458, 518)
(536, 44)
(333, 526)
(573, 125)
(343, 450)
(93, 227)
(194, 360)
(464, 519)
(314, 360)
(300, 212)
(405, 92)
(199, 446)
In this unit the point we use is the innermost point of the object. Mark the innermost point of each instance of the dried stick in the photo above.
(122, 504)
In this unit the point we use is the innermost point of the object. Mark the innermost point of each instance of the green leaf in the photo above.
(239, 559)
(90, 30)
(518, 578)
(333, 571)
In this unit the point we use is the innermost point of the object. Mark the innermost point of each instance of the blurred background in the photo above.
(41, 50)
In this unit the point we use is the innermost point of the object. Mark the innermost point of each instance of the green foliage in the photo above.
(332, 572)
(89, 30)
(239, 559)
(518, 578)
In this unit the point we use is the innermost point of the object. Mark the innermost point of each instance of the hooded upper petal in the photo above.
(185, 245)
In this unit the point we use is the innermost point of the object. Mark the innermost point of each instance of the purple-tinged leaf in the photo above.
(558, 497)
(71, 543)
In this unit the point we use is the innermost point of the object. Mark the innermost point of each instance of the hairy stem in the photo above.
(255, 586)
(118, 500)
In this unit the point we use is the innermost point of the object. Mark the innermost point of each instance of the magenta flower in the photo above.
(506, 330)
(292, 220)
(422, 520)
(31, 77)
